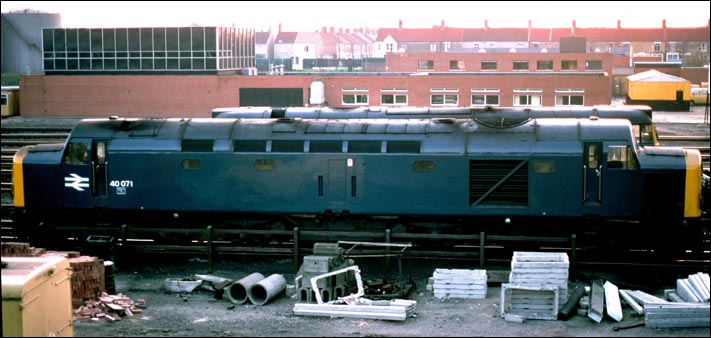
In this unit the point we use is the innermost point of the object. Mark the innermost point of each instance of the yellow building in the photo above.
(659, 90)
(10, 100)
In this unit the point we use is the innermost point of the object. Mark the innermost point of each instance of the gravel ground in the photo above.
(200, 314)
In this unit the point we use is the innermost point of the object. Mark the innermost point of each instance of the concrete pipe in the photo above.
(238, 292)
(267, 289)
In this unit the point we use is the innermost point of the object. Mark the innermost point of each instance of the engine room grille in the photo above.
(494, 182)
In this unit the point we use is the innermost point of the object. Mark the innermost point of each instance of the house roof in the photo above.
(306, 37)
(262, 38)
(594, 34)
(286, 37)
(435, 34)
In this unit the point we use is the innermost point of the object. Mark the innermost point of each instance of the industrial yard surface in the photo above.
(199, 313)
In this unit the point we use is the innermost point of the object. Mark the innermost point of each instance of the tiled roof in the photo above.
(306, 37)
(262, 37)
(435, 34)
(698, 34)
(286, 37)
(621, 34)
(451, 34)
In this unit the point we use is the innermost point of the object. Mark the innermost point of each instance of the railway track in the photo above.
(476, 247)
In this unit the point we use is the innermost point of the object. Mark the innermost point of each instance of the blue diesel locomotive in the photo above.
(470, 174)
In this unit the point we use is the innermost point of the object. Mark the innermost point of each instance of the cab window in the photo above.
(76, 153)
(620, 157)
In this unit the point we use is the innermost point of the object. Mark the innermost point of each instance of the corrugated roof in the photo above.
(655, 76)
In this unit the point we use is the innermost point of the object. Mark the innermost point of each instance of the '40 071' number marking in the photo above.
(124, 184)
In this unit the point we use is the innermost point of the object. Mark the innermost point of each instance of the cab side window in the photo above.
(621, 157)
(76, 153)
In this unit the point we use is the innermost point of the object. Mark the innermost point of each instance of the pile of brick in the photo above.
(109, 307)
(18, 249)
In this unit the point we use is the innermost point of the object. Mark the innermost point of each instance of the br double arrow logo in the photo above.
(77, 182)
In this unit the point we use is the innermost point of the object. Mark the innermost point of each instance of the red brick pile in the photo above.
(17, 249)
(109, 307)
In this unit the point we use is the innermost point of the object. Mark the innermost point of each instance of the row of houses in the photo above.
(688, 45)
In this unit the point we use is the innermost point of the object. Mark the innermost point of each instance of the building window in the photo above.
(569, 100)
(593, 65)
(485, 97)
(488, 65)
(456, 65)
(425, 64)
(657, 46)
(528, 97)
(393, 96)
(355, 96)
(520, 65)
(433, 47)
(569, 97)
(544, 65)
(306, 48)
(569, 65)
(444, 97)
(389, 47)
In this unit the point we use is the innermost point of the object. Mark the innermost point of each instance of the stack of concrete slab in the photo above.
(658, 315)
(694, 289)
(397, 309)
(687, 305)
(459, 283)
(538, 285)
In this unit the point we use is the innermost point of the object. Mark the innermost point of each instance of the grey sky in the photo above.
(312, 15)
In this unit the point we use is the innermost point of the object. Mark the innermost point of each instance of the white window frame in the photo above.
(447, 98)
(486, 93)
(529, 95)
(567, 93)
(396, 93)
(359, 95)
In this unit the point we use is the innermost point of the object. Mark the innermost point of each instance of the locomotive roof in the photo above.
(638, 115)
(167, 133)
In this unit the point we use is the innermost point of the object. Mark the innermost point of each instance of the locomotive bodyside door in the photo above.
(592, 174)
(99, 175)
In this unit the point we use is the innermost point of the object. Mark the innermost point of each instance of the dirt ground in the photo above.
(200, 314)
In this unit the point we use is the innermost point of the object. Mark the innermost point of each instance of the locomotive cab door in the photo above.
(99, 175)
(592, 173)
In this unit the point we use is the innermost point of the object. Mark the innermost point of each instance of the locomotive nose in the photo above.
(692, 199)
(18, 181)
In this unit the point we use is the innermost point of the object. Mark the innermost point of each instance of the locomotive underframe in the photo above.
(68, 229)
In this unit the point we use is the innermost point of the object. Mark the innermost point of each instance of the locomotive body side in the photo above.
(431, 170)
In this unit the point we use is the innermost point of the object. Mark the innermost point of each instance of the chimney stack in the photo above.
(399, 24)
(664, 23)
(619, 24)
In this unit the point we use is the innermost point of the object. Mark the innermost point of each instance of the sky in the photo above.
(304, 16)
